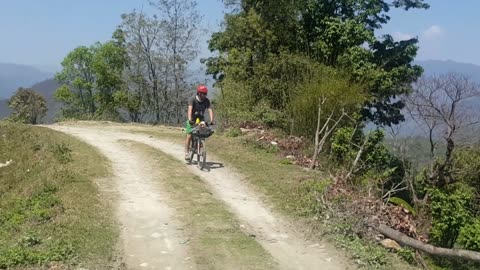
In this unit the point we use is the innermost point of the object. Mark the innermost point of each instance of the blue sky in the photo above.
(42, 32)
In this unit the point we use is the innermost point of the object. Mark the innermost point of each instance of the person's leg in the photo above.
(188, 130)
(187, 143)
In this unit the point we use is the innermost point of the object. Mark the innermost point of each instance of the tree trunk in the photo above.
(82, 99)
(432, 250)
(317, 136)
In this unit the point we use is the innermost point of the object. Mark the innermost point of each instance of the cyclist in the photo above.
(196, 109)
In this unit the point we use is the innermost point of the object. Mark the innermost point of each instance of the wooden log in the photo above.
(432, 250)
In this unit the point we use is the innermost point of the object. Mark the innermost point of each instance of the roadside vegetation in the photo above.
(52, 213)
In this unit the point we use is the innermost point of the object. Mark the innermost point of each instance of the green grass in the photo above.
(51, 211)
(217, 240)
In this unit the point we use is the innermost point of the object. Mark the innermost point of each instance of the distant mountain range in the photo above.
(433, 67)
(13, 76)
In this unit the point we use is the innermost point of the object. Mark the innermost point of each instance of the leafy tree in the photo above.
(90, 77)
(28, 106)
(73, 106)
(109, 62)
(142, 35)
(340, 34)
(130, 102)
(78, 77)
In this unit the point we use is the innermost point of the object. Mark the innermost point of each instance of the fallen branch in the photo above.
(432, 250)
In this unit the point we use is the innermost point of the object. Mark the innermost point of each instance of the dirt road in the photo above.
(152, 235)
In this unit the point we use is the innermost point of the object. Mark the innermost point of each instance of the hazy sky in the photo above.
(42, 32)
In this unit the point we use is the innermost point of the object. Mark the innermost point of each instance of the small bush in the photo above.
(269, 117)
(233, 132)
(308, 193)
(339, 94)
(62, 152)
(450, 212)
(407, 254)
(366, 254)
(469, 237)
(346, 143)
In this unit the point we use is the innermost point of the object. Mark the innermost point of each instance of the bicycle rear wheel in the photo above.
(202, 154)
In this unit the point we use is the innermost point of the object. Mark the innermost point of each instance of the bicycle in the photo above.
(197, 146)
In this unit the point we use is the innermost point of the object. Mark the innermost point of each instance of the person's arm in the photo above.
(189, 112)
(210, 111)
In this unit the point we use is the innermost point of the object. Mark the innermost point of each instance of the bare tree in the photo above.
(141, 34)
(160, 48)
(180, 28)
(439, 104)
(323, 131)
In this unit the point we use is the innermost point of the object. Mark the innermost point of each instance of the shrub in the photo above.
(346, 143)
(27, 106)
(309, 191)
(450, 212)
(339, 93)
(469, 237)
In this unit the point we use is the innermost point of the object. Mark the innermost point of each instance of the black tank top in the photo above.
(198, 108)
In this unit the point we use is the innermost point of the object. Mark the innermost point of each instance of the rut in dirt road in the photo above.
(272, 231)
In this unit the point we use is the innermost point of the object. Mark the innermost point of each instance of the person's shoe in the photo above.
(187, 156)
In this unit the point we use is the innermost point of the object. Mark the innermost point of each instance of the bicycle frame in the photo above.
(197, 147)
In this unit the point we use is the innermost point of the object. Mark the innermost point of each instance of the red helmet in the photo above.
(202, 89)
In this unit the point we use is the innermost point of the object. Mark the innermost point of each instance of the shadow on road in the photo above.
(209, 165)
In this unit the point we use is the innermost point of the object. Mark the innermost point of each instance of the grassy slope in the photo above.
(50, 209)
